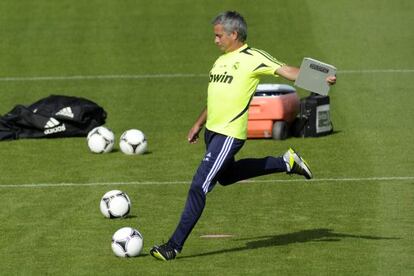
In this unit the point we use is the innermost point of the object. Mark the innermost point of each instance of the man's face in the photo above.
(223, 40)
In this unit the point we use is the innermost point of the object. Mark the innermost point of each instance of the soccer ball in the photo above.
(133, 142)
(101, 140)
(127, 242)
(115, 204)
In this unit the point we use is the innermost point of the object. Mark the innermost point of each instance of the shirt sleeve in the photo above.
(265, 64)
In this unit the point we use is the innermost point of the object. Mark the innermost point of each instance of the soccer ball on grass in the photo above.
(133, 141)
(115, 204)
(127, 242)
(101, 140)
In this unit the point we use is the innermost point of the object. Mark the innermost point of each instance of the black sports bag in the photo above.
(52, 117)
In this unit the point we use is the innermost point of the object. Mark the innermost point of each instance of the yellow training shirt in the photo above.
(233, 81)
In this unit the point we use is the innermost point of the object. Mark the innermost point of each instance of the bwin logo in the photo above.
(224, 78)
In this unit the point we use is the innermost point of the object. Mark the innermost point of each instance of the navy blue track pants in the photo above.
(219, 165)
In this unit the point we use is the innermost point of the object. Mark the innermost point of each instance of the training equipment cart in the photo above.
(272, 111)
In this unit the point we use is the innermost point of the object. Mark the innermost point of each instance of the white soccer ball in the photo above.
(115, 204)
(100, 140)
(133, 141)
(127, 242)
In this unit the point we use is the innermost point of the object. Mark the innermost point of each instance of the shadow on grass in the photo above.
(130, 217)
(313, 235)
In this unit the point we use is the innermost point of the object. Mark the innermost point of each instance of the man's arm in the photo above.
(288, 72)
(291, 73)
(192, 136)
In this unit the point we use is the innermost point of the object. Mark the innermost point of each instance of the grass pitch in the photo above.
(146, 63)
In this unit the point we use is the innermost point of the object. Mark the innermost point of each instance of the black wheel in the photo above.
(279, 131)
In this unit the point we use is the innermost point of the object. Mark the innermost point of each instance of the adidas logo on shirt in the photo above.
(66, 111)
(53, 126)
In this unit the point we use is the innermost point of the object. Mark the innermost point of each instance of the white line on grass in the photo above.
(376, 71)
(167, 75)
(102, 77)
(53, 185)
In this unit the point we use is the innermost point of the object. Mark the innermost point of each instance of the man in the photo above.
(233, 81)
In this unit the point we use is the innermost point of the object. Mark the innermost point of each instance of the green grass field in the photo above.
(355, 218)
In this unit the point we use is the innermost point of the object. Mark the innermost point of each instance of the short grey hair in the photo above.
(232, 21)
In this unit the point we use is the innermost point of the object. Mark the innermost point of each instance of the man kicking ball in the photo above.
(233, 81)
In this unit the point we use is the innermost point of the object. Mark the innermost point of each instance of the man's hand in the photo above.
(331, 80)
(192, 136)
